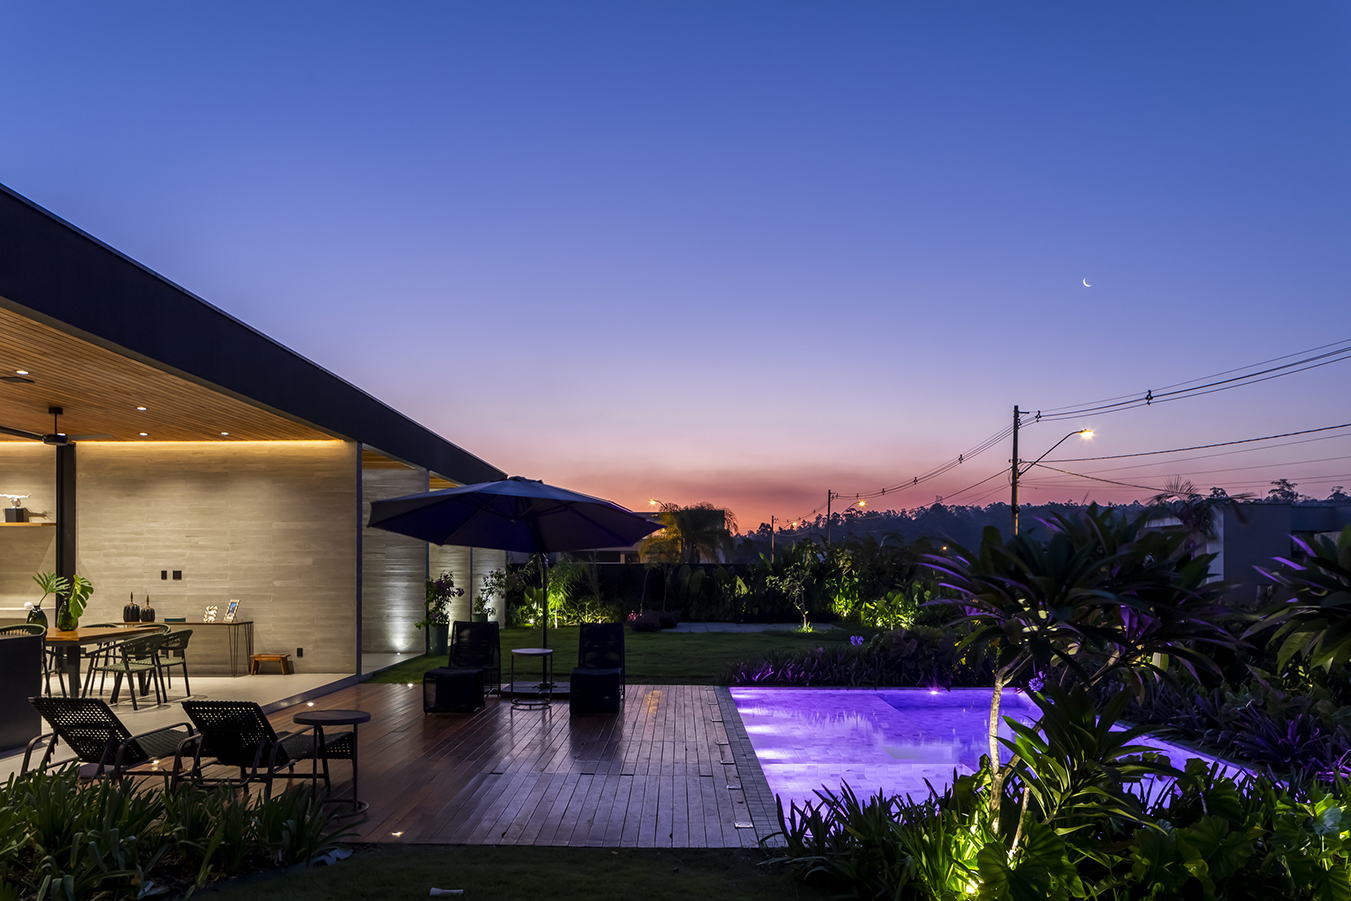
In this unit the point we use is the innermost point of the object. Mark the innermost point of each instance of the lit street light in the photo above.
(1019, 473)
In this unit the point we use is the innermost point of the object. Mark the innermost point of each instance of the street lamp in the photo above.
(1018, 473)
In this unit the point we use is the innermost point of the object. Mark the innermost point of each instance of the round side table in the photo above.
(546, 685)
(321, 718)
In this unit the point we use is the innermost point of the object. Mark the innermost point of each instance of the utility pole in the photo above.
(771, 540)
(1014, 469)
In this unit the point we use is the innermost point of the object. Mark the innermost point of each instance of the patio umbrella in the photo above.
(513, 514)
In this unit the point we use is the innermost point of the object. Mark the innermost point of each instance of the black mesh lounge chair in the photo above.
(238, 734)
(133, 657)
(598, 681)
(96, 735)
(477, 646)
(173, 651)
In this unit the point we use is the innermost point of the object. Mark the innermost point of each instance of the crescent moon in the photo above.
(1086, 284)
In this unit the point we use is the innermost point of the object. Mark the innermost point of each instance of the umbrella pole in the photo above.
(544, 604)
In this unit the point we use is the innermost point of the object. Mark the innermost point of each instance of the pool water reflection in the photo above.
(891, 740)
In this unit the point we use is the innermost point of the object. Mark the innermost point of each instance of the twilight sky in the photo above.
(737, 252)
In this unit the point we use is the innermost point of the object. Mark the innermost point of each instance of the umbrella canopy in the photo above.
(512, 514)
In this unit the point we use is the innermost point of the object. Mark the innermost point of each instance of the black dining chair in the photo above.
(173, 651)
(133, 657)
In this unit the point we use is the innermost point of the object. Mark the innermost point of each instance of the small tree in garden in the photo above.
(1100, 598)
(796, 578)
(1316, 622)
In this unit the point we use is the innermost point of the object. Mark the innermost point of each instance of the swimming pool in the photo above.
(890, 739)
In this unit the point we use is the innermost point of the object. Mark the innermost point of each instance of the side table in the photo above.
(321, 718)
(545, 696)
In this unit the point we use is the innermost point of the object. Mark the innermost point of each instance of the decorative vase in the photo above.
(37, 617)
(147, 613)
(65, 620)
(438, 638)
(131, 613)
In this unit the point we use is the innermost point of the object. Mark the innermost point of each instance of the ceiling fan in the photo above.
(57, 438)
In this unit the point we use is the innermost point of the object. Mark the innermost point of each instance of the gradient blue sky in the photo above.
(735, 252)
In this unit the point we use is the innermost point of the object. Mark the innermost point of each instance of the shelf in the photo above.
(22, 525)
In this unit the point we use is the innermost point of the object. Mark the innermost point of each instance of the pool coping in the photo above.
(760, 802)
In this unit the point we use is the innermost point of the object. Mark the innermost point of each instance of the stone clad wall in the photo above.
(393, 567)
(469, 569)
(270, 523)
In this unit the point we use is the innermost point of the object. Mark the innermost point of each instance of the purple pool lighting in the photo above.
(890, 740)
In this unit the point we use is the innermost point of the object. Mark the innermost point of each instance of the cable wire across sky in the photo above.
(1254, 373)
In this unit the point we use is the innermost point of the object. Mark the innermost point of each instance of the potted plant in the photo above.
(51, 584)
(494, 585)
(71, 597)
(440, 592)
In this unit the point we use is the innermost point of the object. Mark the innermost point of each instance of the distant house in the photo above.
(1253, 534)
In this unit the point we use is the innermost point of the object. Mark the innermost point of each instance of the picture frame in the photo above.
(231, 611)
(210, 615)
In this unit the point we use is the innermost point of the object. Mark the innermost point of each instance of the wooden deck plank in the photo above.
(656, 775)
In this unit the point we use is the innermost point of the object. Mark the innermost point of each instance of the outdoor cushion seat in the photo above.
(595, 691)
(598, 680)
(452, 690)
(91, 729)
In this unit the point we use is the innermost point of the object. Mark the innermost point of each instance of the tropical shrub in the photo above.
(64, 839)
(919, 657)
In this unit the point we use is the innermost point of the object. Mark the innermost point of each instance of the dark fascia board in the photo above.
(62, 276)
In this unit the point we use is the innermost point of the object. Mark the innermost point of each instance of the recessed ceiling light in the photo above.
(21, 372)
(142, 409)
(225, 434)
(143, 434)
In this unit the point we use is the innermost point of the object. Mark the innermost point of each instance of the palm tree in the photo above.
(1195, 511)
(691, 534)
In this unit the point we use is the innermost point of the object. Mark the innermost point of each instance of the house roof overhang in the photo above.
(109, 335)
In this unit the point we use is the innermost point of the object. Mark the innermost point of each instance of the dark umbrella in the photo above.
(513, 514)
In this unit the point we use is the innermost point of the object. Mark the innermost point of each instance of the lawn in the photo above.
(489, 873)
(652, 658)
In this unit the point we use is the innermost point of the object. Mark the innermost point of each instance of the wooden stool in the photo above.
(256, 659)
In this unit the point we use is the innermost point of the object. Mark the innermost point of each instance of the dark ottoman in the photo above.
(595, 690)
(447, 690)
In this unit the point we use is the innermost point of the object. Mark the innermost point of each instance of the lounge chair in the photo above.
(238, 734)
(477, 646)
(598, 680)
(96, 735)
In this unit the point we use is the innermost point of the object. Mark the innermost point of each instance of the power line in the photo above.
(1178, 450)
(1308, 359)
(1096, 479)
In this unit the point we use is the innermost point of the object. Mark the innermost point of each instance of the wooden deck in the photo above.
(674, 769)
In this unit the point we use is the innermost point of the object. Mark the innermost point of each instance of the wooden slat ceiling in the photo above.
(100, 390)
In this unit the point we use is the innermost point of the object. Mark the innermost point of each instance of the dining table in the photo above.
(67, 645)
